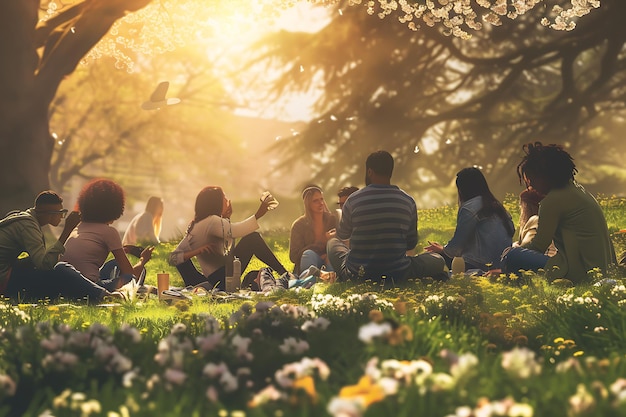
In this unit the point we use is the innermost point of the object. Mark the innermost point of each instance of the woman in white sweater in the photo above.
(210, 237)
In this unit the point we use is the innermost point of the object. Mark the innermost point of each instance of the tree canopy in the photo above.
(43, 41)
(440, 103)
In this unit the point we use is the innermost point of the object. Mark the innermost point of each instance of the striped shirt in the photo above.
(381, 223)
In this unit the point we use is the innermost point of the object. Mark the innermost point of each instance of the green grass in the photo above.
(471, 342)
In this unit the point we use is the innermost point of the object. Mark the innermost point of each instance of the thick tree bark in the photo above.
(29, 83)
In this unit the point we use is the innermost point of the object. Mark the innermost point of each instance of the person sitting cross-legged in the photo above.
(101, 202)
(380, 221)
(568, 216)
(309, 232)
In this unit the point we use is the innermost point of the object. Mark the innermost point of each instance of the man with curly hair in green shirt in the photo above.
(568, 215)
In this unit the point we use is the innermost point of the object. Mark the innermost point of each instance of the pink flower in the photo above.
(175, 376)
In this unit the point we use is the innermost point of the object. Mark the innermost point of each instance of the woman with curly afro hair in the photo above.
(568, 215)
(100, 203)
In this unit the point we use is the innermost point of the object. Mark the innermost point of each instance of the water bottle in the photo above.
(228, 267)
(236, 274)
(458, 265)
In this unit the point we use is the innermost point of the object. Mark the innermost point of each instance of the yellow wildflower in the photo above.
(365, 389)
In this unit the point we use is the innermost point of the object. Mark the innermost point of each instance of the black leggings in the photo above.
(248, 246)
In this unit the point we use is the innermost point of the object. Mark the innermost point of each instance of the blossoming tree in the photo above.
(43, 41)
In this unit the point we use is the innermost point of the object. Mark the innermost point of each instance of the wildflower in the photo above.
(229, 381)
(267, 394)
(90, 407)
(264, 306)
(344, 407)
(520, 363)
(400, 307)
(366, 390)
(60, 401)
(570, 364)
(131, 332)
(371, 331)
(319, 323)
(7, 386)
(400, 335)
(120, 363)
(152, 382)
(54, 342)
(307, 384)
(212, 370)
(441, 382)
(127, 378)
(464, 366)
(211, 342)
(618, 389)
(175, 376)
(376, 316)
(293, 346)
(307, 366)
(78, 340)
(76, 399)
(241, 345)
(212, 394)
(582, 402)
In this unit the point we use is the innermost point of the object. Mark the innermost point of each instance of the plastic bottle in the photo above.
(236, 274)
(458, 265)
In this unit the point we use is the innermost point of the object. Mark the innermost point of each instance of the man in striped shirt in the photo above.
(380, 222)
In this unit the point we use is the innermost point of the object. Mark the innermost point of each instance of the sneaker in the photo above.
(167, 295)
(311, 270)
(328, 276)
(283, 280)
(267, 282)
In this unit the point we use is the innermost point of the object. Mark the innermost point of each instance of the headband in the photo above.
(312, 188)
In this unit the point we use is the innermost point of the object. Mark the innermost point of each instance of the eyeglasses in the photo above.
(62, 212)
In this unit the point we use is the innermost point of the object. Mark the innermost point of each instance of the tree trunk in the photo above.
(25, 142)
(28, 84)
(25, 153)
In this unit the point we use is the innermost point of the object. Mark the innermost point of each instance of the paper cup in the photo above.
(163, 283)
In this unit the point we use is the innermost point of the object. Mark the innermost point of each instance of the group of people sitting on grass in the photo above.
(371, 236)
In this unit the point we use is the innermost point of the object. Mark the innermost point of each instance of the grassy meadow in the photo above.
(469, 347)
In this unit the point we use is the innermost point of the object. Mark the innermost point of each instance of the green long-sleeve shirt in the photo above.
(20, 232)
(574, 220)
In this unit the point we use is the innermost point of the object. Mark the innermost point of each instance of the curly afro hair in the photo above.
(101, 201)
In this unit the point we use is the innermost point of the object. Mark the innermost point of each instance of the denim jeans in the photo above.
(519, 258)
(27, 283)
(111, 279)
(337, 252)
(310, 257)
(421, 266)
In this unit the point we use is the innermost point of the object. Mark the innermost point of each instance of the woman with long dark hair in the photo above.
(210, 237)
(483, 227)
